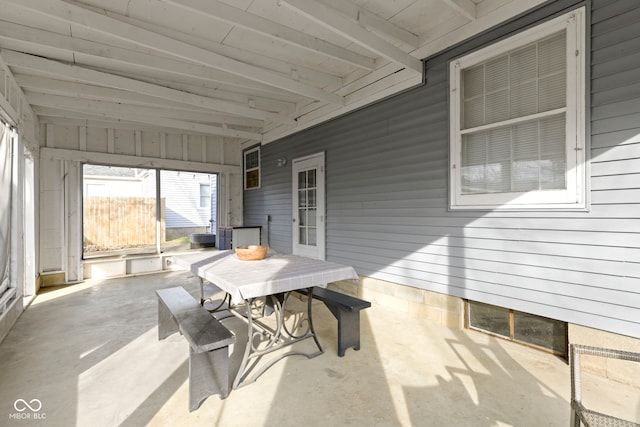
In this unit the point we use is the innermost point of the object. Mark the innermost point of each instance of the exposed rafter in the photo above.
(33, 40)
(373, 22)
(467, 8)
(146, 115)
(223, 12)
(120, 30)
(68, 72)
(146, 66)
(171, 108)
(266, 59)
(249, 66)
(334, 20)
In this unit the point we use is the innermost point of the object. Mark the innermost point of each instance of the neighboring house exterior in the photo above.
(390, 211)
(191, 202)
(106, 181)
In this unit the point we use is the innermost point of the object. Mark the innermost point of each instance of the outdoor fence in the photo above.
(112, 223)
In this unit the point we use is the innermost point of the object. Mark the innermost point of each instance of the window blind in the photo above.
(513, 120)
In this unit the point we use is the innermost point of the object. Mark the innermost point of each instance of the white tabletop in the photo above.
(250, 279)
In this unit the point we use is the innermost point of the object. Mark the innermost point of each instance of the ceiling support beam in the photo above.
(374, 22)
(334, 20)
(34, 40)
(164, 107)
(128, 113)
(75, 73)
(93, 21)
(232, 15)
(467, 8)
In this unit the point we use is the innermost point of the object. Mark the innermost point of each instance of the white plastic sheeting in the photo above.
(5, 206)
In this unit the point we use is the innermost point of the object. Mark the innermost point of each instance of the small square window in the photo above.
(252, 168)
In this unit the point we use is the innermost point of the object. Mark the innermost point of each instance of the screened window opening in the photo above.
(119, 210)
(517, 121)
(143, 211)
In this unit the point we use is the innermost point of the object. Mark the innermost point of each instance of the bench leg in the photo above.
(348, 330)
(208, 374)
(166, 323)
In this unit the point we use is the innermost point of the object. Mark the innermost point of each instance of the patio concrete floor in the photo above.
(90, 354)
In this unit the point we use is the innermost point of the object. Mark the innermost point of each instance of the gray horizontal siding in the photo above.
(387, 194)
(182, 193)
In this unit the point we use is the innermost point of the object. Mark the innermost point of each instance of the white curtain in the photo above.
(5, 205)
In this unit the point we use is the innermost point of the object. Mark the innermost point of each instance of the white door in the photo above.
(309, 206)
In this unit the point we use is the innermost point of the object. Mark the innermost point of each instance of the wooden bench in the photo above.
(346, 309)
(208, 339)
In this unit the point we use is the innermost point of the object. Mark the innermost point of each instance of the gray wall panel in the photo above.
(387, 195)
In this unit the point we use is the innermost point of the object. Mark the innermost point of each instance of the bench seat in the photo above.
(346, 309)
(208, 340)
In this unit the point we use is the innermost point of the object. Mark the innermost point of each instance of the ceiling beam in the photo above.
(235, 16)
(466, 8)
(121, 112)
(143, 66)
(121, 30)
(146, 110)
(266, 60)
(37, 41)
(167, 108)
(334, 20)
(370, 20)
(75, 73)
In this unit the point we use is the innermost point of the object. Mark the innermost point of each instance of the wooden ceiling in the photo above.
(248, 70)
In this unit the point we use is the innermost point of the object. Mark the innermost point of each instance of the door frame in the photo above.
(301, 163)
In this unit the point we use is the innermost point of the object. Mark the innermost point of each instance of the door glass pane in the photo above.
(311, 198)
(311, 178)
(302, 180)
(311, 236)
(311, 217)
(307, 202)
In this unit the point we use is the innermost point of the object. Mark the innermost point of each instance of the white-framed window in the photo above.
(252, 168)
(518, 120)
(205, 195)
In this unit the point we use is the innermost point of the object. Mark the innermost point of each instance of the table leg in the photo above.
(203, 299)
(263, 339)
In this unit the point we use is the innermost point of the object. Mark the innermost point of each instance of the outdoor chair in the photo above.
(579, 413)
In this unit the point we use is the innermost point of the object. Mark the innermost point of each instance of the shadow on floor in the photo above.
(90, 353)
